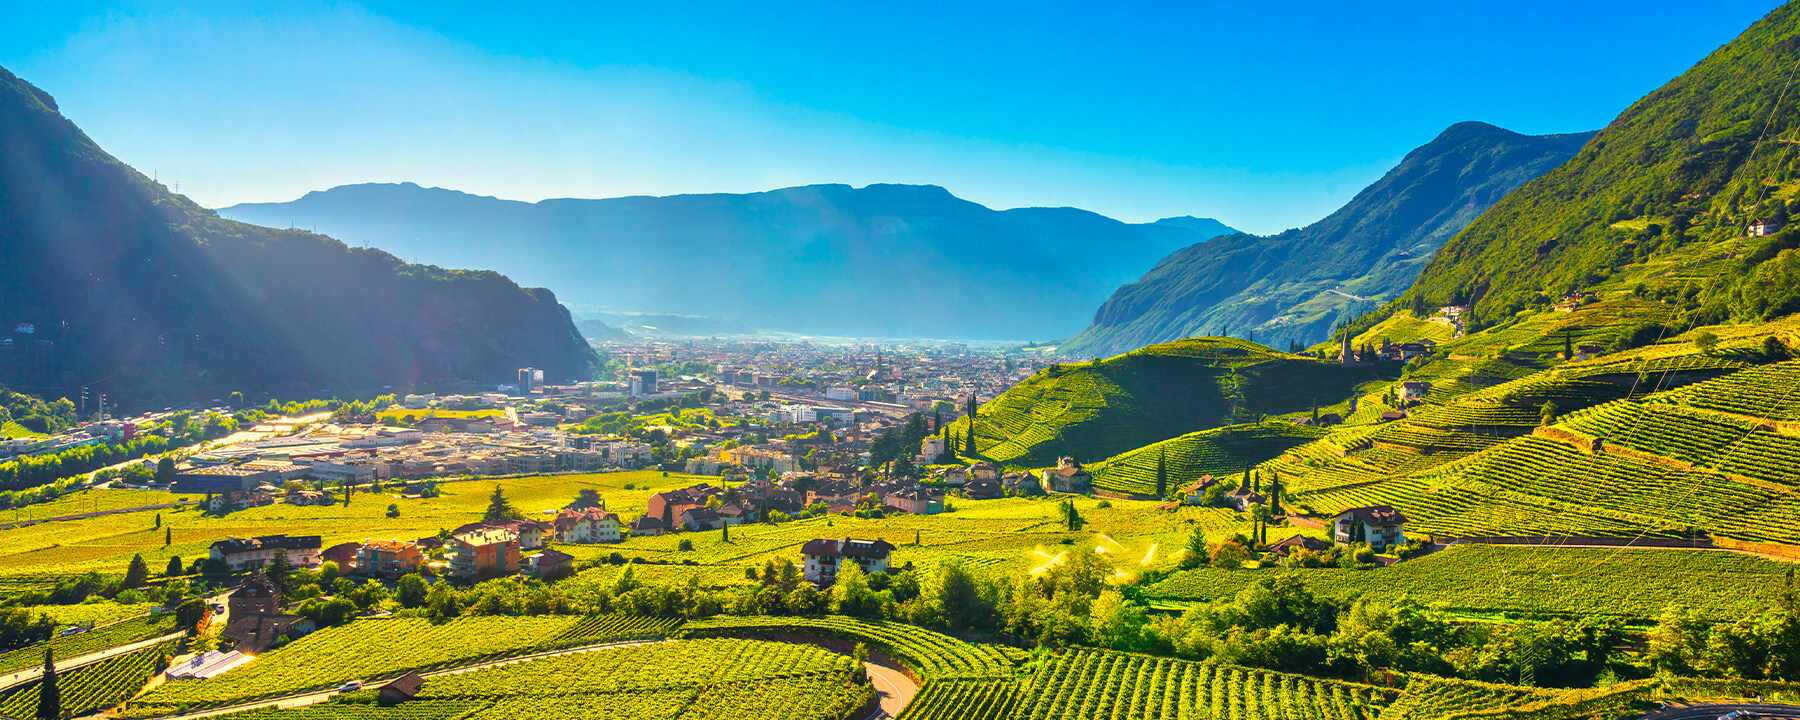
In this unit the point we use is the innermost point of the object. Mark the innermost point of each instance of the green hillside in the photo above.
(1095, 410)
(136, 292)
(1685, 170)
(1218, 452)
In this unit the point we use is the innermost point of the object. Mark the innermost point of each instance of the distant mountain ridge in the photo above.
(875, 261)
(113, 284)
(1295, 286)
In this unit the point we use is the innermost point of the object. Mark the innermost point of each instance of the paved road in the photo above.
(31, 674)
(893, 687)
(1714, 710)
(318, 696)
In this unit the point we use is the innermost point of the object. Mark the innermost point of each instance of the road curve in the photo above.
(1712, 711)
(31, 674)
(894, 689)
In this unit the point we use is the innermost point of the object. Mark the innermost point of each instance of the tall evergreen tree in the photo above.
(49, 696)
(136, 573)
(499, 508)
(174, 567)
(168, 536)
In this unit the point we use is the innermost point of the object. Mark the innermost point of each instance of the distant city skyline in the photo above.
(1262, 117)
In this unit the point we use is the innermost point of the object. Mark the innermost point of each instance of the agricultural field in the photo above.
(1633, 584)
(106, 544)
(370, 649)
(90, 688)
(100, 638)
(690, 680)
(1084, 684)
(927, 654)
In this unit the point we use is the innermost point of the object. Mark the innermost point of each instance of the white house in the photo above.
(1380, 526)
(824, 556)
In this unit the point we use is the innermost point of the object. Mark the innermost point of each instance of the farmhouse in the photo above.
(587, 525)
(1067, 477)
(982, 490)
(244, 554)
(824, 557)
(1380, 526)
(1195, 492)
(918, 501)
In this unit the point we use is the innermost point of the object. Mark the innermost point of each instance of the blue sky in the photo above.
(1264, 115)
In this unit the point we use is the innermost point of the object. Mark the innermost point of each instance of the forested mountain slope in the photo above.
(1293, 287)
(1688, 167)
(109, 281)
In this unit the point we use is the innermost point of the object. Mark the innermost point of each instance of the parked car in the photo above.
(1740, 715)
(351, 685)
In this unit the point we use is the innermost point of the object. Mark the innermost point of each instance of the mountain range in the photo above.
(875, 261)
(1295, 286)
(111, 283)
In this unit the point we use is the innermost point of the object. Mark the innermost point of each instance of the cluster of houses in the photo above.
(1388, 351)
(984, 480)
(477, 551)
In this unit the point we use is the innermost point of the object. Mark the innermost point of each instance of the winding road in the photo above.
(1712, 711)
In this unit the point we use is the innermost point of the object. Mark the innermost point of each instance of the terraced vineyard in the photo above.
(1766, 392)
(695, 680)
(1223, 451)
(1630, 583)
(1083, 684)
(90, 688)
(928, 654)
(603, 627)
(368, 649)
(100, 638)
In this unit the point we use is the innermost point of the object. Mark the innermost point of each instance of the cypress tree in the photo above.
(49, 696)
(1162, 474)
(168, 536)
(136, 573)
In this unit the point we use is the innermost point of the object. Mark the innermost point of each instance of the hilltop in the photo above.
(1094, 410)
(1683, 172)
(109, 281)
(875, 261)
(1295, 286)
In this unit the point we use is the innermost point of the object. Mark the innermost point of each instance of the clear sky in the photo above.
(1264, 115)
